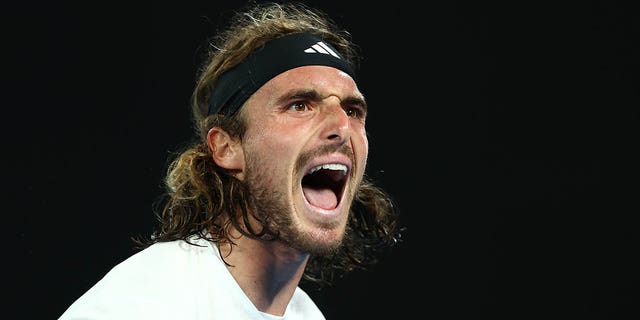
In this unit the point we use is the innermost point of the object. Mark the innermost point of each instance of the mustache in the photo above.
(325, 150)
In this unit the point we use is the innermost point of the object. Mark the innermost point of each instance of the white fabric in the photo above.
(176, 280)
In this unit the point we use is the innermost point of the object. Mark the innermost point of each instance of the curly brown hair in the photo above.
(205, 201)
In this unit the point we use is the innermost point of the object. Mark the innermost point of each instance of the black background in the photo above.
(507, 132)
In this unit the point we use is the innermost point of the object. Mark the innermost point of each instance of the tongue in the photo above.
(323, 198)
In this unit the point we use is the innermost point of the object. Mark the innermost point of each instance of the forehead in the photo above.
(325, 80)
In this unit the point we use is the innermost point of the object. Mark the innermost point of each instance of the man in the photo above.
(274, 191)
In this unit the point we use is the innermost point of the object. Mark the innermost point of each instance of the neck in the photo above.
(267, 272)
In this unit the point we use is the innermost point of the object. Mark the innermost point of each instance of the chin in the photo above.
(321, 241)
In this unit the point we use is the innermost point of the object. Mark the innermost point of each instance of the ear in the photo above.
(227, 153)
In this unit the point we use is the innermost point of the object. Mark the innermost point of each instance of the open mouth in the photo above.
(323, 185)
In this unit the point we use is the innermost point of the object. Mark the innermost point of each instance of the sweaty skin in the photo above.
(303, 118)
(294, 115)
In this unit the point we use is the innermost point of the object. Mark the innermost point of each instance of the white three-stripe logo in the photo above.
(320, 47)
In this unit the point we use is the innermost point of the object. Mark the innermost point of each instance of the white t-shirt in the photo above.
(176, 280)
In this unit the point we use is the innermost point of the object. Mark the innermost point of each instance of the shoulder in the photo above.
(144, 285)
(303, 307)
(164, 256)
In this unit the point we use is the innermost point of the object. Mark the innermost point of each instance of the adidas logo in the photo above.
(320, 47)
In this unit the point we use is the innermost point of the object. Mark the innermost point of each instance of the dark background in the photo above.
(507, 132)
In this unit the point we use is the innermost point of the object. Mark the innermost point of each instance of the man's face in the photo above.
(306, 150)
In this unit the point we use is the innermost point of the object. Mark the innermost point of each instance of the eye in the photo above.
(355, 112)
(299, 106)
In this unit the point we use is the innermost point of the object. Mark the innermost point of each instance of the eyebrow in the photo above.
(315, 96)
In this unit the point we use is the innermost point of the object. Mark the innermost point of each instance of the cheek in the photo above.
(270, 141)
(363, 146)
(365, 141)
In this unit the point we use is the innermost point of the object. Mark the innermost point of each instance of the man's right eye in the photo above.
(299, 106)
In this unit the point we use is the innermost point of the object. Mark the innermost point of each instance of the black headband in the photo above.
(236, 85)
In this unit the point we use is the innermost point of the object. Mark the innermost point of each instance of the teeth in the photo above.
(331, 166)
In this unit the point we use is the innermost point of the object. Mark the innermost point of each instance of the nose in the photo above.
(336, 121)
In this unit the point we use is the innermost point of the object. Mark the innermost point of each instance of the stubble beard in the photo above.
(270, 198)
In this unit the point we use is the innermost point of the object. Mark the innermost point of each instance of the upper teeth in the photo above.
(330, 166)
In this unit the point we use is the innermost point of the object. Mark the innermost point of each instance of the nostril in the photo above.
(338, 138)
